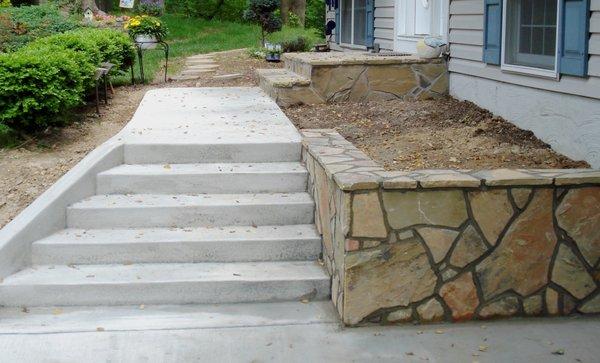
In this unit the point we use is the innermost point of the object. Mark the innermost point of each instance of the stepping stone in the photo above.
(202, 67)
(185, 78)
(226, 77)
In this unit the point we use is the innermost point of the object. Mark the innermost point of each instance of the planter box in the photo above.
(453, 245)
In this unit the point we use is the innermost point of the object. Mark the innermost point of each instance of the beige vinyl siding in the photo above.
(466, 50)
(384, 23)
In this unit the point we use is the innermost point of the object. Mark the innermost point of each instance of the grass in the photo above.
(188, 36)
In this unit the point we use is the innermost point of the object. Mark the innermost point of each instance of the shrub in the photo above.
(21, 25)
(295, 39)
(152, 8)
(262, 13)
(8, 136)
(37, 84)
(52, 74)
(315, 16)
(5, 4)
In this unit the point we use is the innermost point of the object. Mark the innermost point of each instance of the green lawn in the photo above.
(188, 36)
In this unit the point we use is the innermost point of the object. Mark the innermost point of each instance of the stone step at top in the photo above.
(287, 88)
(204, 210)
(282, 78)
(200, 57)
(179, 245)
(203, 178)
(193, 283)
(199, 62)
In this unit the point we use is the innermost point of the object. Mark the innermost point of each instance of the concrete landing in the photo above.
(306, 333)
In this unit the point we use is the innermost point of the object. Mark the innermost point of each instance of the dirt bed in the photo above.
(433, 134)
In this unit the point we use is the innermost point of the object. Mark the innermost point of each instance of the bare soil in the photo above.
(432, 134)
(400, 135)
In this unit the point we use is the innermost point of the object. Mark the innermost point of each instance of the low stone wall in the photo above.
(452, 245)
(336, 77)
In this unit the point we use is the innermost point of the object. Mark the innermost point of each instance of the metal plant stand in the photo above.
(140, 48)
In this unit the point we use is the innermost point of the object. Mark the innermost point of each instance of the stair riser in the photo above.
(300, 68)
(190, 216)
(217, 153)
(206, 183)
(183, 292)
(176, 252)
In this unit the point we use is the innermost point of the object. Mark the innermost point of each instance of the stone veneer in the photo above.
(453, 245)
(311, 78)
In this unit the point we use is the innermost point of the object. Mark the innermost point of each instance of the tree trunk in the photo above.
(89, 4)
(299, 8)
(285, 8)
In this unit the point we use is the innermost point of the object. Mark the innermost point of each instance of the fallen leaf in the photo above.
(559, 352)
(483, 348)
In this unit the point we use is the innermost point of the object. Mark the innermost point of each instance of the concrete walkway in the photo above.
(259, 333)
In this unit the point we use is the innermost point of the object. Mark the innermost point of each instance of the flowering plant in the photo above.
(145, 25)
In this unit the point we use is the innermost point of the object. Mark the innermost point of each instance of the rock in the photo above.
(448, 274)
(438, 240)
(552, 301)
(592, 306)
(461, 296)
(431, 310)
(368, 217)
(226, 77)
(533, 305)
(401, 315)
(351, 245)
(570, 273)
(579, 215)
(491, 210)
(525, 250)
(520, 196)
(397, 80)
(506, 306)
(469, 247)
(387, 276)
(407, 208)
(568, 304)
(323, 213)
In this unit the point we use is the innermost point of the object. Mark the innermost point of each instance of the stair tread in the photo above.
(281, 77)
(115, 201)
(208, 168)
(76, 236)
(55, 275)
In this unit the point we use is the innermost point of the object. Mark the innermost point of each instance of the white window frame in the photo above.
(515, 68)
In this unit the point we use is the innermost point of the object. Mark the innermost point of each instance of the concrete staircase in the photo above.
(231, 227)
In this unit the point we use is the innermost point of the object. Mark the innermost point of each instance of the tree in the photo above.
(262, 12)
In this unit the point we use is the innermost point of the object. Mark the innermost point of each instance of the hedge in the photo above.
(52, 75)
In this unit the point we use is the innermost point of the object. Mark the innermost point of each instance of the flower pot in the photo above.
(146, 41)
(273, 57)
(427, 52)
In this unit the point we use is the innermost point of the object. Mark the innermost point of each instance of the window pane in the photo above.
(346, 15)
(531, 33)
(360, 21)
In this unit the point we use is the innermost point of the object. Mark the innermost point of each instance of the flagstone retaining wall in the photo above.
(453, 245)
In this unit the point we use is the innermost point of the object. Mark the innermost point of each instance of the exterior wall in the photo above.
(384, 23)
(436, 245)
(565, 113)
(570, 124)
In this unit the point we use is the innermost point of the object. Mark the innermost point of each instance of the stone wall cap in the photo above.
(354, 58)
(352, 169)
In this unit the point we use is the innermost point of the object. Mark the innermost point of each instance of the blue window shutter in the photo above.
(370, 36)
(492, 31)
(575, 37)
(337, 21)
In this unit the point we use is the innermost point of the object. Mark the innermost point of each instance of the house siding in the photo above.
(466, 50)
(563, 113)
(384, 23)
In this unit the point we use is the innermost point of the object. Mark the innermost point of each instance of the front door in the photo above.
(416, 19)
(353, 27)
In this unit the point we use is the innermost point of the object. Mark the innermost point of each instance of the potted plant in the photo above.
(273, 52)
(146, 30)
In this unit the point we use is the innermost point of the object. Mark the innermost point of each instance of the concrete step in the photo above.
(231, 152)
(201, 283)
(204, 178)
(206, 210)
(287, 88)
(178, 245)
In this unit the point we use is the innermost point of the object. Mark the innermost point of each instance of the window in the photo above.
(530, 36)
(354, 22)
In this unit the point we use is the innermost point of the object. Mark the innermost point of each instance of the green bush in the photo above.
(315, 16)
(21, 25)
(37, 84)
(295, 38)
(8, 136)
(52, 74)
